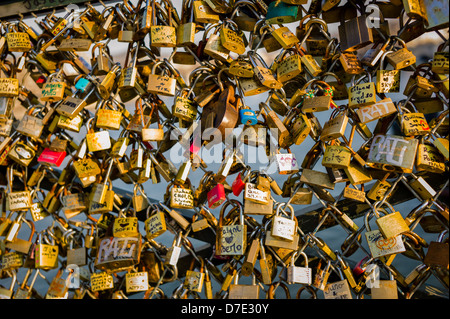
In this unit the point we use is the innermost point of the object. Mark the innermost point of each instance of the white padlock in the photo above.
(299, 275)
(282, 227)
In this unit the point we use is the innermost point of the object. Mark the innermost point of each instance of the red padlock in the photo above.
(51, 158)
(358, 270)
(216, 196)
(238, 185)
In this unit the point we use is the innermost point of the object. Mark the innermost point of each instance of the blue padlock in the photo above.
(247, 116)
(82, 84)
(280, 12)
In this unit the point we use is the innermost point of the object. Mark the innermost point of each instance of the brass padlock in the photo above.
(9, 86)
(231, 239)
(401, 58)
(97, 141)
(161, 84)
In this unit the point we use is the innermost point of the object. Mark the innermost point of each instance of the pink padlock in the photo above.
(238, 185)
(216, 196)
(51, 158)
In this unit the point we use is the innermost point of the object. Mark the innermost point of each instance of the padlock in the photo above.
(334, 128)
(437, 254)
(17, 200)
(73, 202)
(118, 253)
(401, 58)
(429, 158)
(231, 239)
(152, 134)
(282, 227)
(155, 223)
(412, 123)
(391, 225)
(17, 41)
(392, 153)
(299, 127)
(54, 88)
(315, 178)
(252, 207)
(237, 291)
(18, 244)
(230, 37)
(380, 246)
(195, 279)
(262, 72)
(339, 289)
(76, 256)
(387, 289)
(184, 107)
(59, 287)
(299, 275)
(287, 66)
(203, 12)
(316, 37)
(275, 124)
(8, 293)
(336, 156)
(181, 196)
(136, 281)
(124, 227)
(173, 253)
(199, 224)
(376, 111)
(46, 255)
(213, 46)
(101, 281)
(286, 163)
(284, 36)
(108, 117)
(100, 62)
(363, 94)
(354, 34)
(354, 193)
(216, 196)
(388, 81)
(161, 84)
(322, 275)
(25, 291)
(9, 86)
(313, 102)
(280, 13)
(252, 193)
(97, 141)
(350, 63)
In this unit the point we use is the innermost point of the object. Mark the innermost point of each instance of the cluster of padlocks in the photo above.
(114, 251)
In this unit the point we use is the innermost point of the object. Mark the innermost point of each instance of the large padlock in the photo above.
(392, 153)
(118, 253)
(231, 239)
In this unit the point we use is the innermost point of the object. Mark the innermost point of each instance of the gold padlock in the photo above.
(161, 84)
